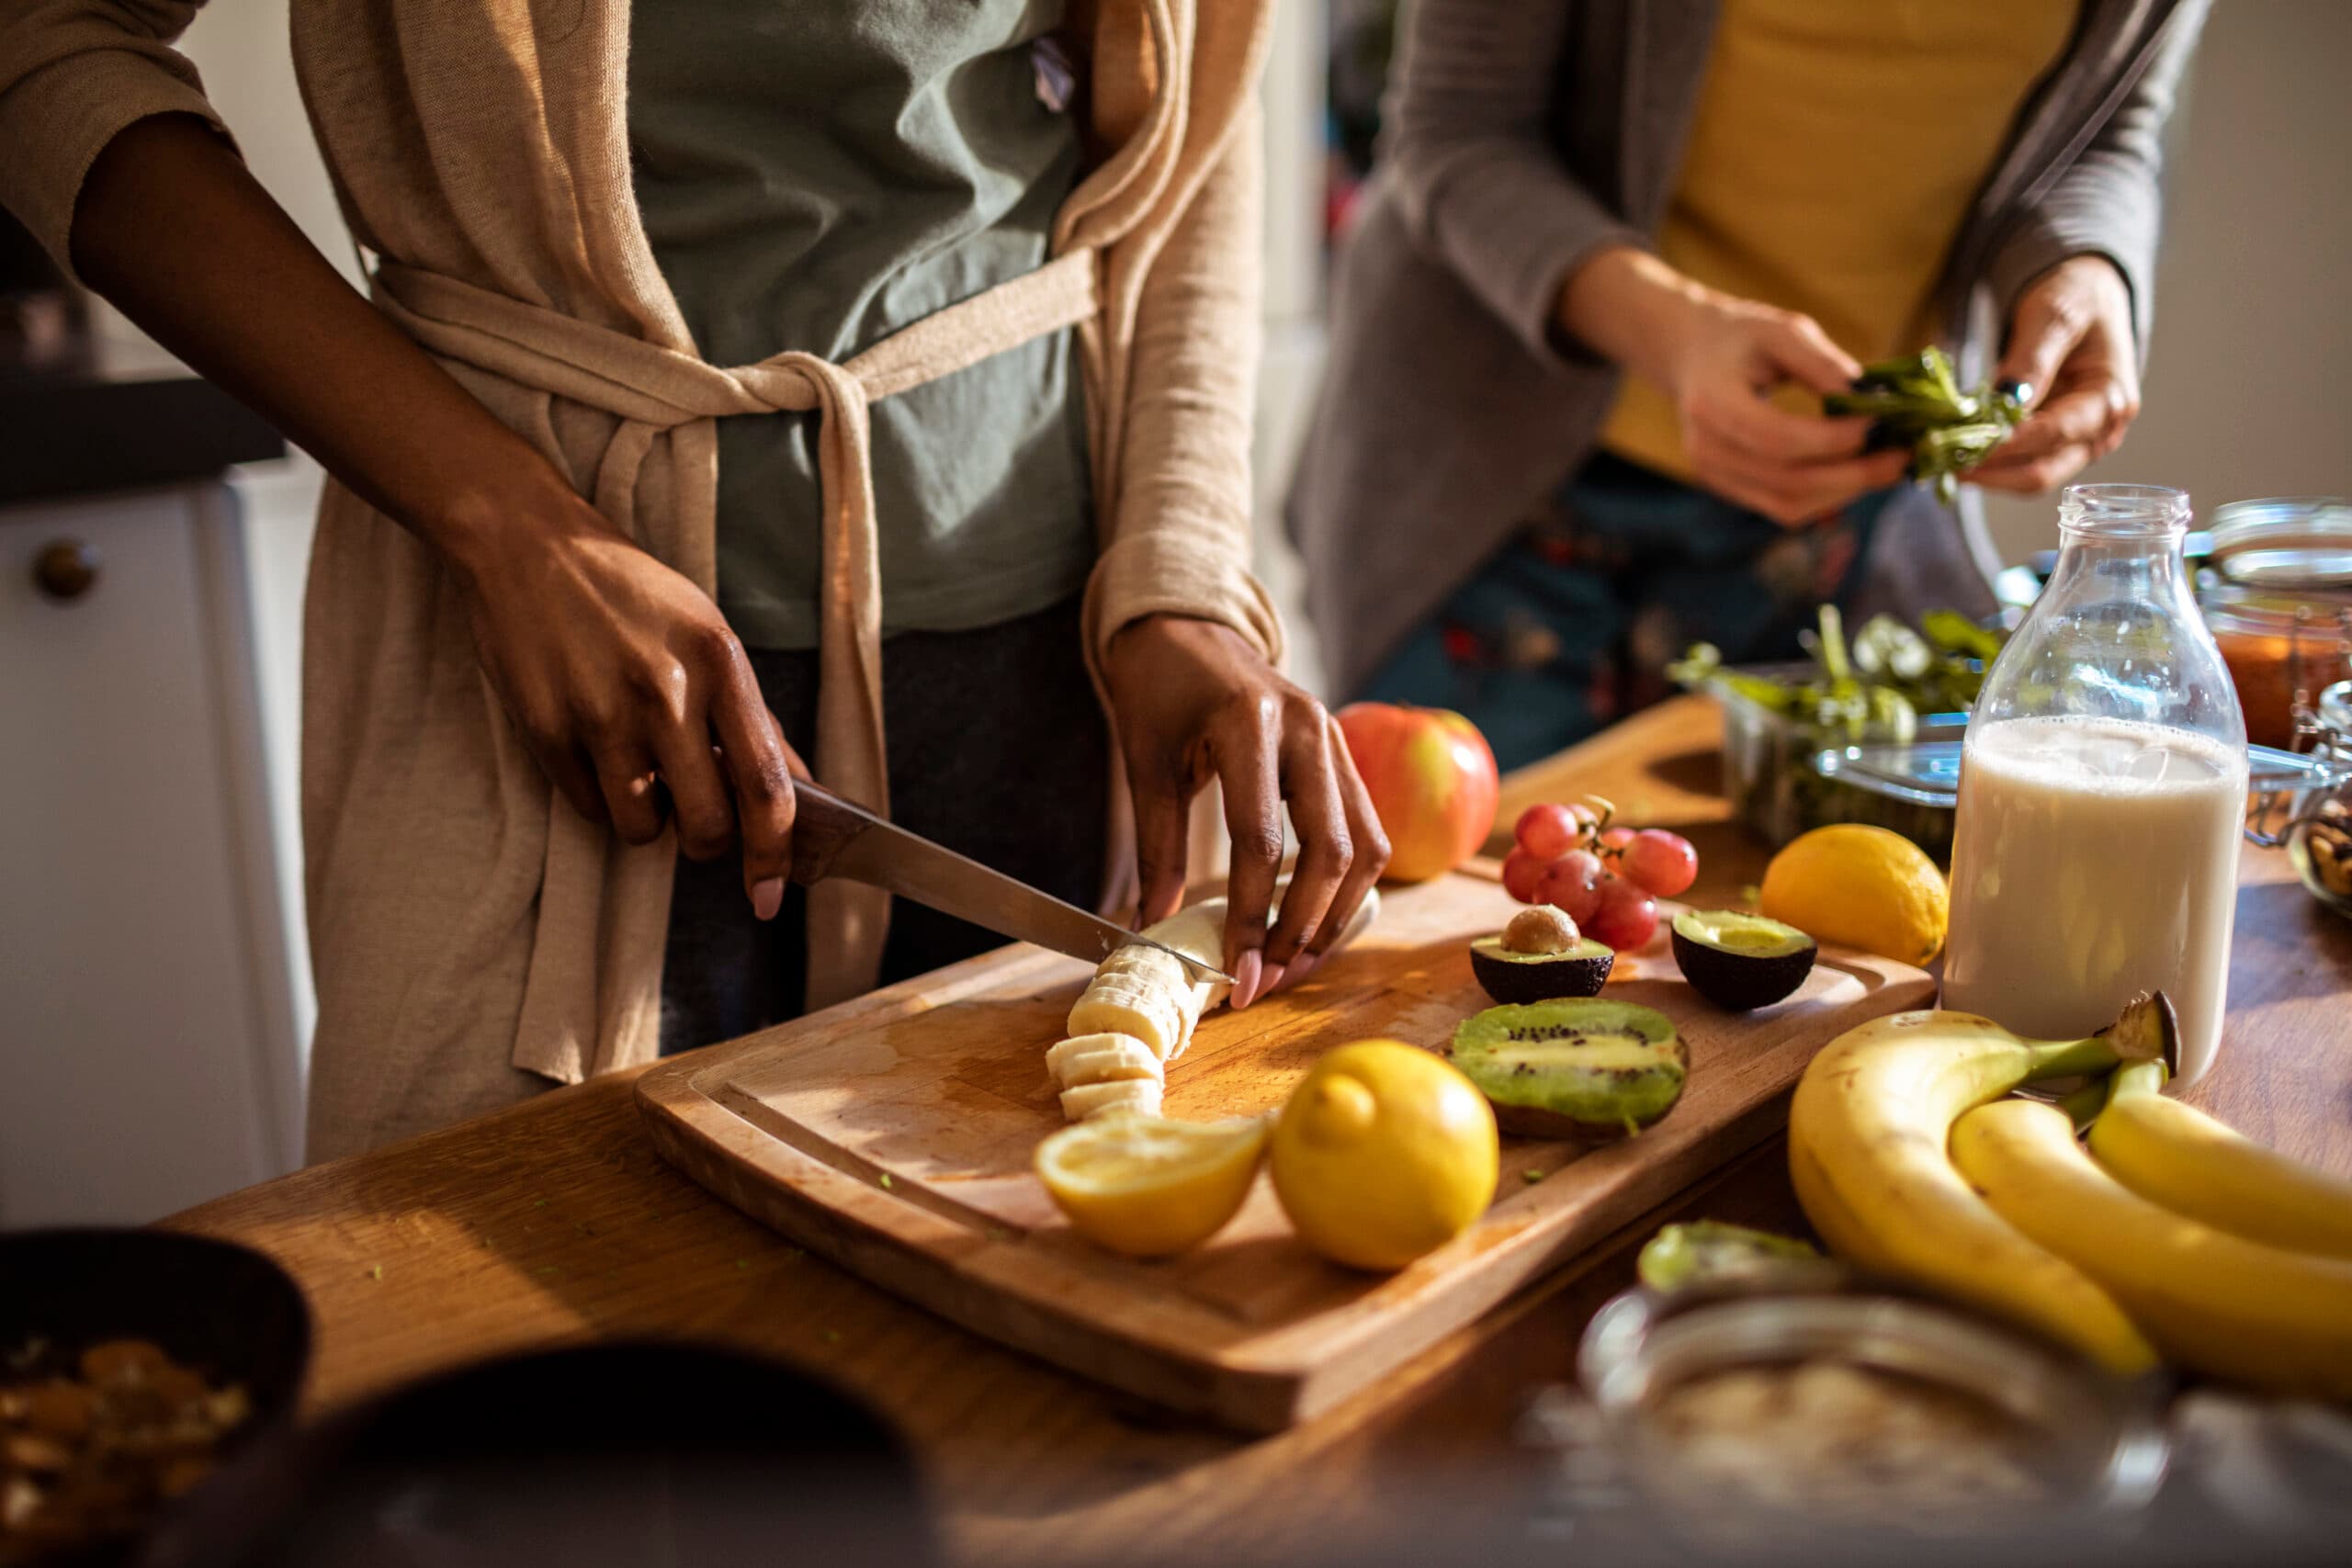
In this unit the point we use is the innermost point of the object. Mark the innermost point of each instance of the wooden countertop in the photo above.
(556, 1221)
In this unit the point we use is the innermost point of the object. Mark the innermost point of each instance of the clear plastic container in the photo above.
(2102, 792)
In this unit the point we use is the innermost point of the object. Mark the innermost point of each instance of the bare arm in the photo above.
(616, 671)
(240, 293)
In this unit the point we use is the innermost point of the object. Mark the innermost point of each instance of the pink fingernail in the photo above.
(767, 897)
(1270, 981)
(1303, 965)
(1248, 972)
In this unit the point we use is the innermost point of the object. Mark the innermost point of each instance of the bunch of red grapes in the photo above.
(1607, 879)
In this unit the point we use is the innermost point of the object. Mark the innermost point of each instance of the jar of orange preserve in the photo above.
(2278, 596)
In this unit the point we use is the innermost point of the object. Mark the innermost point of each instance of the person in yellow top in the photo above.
(1640, 239)
(1831, 161)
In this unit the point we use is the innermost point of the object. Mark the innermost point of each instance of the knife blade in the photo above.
(832, 837)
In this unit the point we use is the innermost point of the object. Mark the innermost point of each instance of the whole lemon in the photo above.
(1384, 1152)
(1863, 887)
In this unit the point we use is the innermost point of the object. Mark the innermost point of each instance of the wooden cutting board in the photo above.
(893, 1135)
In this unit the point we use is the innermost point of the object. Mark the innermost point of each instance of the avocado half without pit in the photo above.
(1540, 957)
(1741, 962)
(1579, 1068)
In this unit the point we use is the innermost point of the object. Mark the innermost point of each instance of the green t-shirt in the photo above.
(814, 175)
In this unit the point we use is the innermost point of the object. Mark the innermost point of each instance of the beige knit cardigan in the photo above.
(473, 938)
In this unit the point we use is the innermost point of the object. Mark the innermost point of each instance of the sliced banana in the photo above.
(1115, 1004)
(1101, 1058)
(1145, 998)
(1139, 1095)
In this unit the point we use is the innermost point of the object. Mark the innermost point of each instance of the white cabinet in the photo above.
(148, 1055)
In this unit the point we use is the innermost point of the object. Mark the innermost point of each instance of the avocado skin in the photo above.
(1742, 982)
(1528, 980)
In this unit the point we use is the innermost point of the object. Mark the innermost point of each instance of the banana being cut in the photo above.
(1139, 1012)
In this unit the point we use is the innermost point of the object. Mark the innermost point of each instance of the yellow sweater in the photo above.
(1835, 148)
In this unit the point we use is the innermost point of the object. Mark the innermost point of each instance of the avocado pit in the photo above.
(1540, 957)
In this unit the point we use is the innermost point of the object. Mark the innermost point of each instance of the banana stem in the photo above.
(2083, 1106)
(2134, 1079)
(2069, 1058)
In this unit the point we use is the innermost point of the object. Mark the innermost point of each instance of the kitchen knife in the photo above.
(830, 837)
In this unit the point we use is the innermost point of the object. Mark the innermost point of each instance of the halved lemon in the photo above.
(1148, 1186)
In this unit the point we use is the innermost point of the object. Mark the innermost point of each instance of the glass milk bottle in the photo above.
(2102, 791)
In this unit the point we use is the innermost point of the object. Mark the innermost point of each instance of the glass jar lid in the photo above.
(2278, 607)
(2284, 543)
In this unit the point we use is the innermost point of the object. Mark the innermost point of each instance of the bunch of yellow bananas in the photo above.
(2172, 1235)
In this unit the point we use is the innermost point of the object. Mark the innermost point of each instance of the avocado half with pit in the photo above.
(1577, 970)
(1578, 1068)
(1741, 962)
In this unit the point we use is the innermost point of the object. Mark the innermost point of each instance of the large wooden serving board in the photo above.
(893, 1135)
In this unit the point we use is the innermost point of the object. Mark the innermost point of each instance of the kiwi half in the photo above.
(1740, 962)
(1574, 1068)
(1578, 970)
(1709, 1252)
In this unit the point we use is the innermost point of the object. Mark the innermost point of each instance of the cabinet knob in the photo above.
(66, 569)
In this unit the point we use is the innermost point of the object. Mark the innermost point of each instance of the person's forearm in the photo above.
(1630, 308)
(173, 229)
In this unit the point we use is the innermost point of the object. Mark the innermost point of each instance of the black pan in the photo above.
(601, 1456)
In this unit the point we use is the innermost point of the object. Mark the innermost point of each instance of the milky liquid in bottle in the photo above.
(2093, 859)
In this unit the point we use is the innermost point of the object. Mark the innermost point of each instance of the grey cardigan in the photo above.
(1524, 135)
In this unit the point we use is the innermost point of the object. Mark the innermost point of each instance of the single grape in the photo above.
(1616, 838)
(1660, 863)
(1547, 831)
(1585, 818)
(1625, 916)
(1522, 874)
(1572, 883)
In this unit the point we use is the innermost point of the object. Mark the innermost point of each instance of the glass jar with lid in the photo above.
(2277, 594)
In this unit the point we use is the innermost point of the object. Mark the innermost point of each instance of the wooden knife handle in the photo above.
(823, 825)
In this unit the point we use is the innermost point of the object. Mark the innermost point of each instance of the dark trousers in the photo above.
(998, 748)
(1571, 626)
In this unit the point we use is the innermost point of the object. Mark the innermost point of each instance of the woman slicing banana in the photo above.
(859, 381)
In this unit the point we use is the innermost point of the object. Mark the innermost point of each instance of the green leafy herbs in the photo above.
(1876, 685)
(1916, 403)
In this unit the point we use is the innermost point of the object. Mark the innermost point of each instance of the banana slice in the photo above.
(1118, 1005)
(1087, 1101)
(1101, 1058)
(1148, 997)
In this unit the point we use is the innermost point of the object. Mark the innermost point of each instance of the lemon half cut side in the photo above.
(1149, 1186)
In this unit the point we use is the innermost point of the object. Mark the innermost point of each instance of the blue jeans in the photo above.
(1571, 626)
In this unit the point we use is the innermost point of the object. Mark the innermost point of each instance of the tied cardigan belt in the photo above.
(652, 389)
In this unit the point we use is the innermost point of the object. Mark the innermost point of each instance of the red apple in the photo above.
(1431, 778)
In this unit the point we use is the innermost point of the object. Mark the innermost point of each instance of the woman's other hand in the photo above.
(1193, 701)
(1719, 358)
(2072, 352)
(622, 676)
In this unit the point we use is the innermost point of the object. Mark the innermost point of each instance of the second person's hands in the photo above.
(1718, 357)
(2072, 351)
